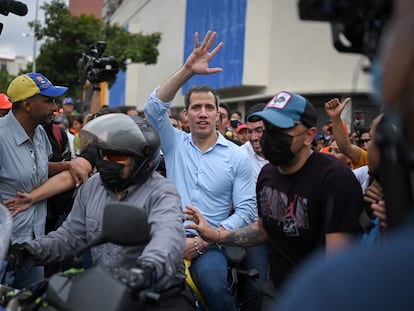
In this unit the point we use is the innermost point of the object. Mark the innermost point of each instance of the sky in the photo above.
(12, 40)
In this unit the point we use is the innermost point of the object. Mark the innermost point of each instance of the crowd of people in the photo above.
(269, 183)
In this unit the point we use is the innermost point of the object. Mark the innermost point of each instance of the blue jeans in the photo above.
(257, 257)
(25, 276)
(209, 272)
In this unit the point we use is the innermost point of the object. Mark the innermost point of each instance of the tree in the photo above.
(5, 79)
(67, 37)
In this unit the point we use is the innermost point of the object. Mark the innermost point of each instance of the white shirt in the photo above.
(257, 161)
(361, 173)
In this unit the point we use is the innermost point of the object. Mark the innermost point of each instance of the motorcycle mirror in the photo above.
(122, 224)
(125, 224)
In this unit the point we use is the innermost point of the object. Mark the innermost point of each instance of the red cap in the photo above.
(241, 127)
(5, 102)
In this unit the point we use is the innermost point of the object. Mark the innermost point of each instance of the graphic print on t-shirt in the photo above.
(291, 215)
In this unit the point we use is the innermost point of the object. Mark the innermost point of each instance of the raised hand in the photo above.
(334, 108)
(196, 63)
(198, 60)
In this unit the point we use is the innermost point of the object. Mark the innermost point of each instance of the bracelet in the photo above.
(196, 246)
(218, 240)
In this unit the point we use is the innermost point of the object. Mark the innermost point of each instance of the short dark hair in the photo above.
(104, 110)
(362, 131)
(200, 89)
(236, 112)
(17, 105)
(255, 108)
(225, 106)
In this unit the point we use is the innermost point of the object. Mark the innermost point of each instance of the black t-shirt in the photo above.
(298, 210)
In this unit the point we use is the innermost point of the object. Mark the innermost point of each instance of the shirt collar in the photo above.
(17, 130)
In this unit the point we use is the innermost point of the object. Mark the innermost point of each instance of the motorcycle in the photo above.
(235, 256)
(94, 288)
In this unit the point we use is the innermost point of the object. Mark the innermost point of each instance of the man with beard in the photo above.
(209, 171)
(24, 154)
(381, 278)
(301, 207)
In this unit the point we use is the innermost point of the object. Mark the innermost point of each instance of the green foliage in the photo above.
(5, 79)
(66, 37)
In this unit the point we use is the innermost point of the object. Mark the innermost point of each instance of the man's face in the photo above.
(202, 114)
(123, 159)
(225, 122)
(256, 132)
(363, 140)
(184, 122)
(286, 147)
(175, 123)
(243, 135)
(42, 109)
(336, 152)
(68, 108)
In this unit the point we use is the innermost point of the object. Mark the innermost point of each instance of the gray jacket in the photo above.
(165, 250)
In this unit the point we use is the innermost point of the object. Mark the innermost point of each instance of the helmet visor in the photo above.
(116, 132)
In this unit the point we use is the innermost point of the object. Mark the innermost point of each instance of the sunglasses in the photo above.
(363, 141)
(114, 157)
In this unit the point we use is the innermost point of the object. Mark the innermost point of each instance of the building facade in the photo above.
(267, 48)
(13, 64)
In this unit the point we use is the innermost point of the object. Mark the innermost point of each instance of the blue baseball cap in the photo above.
(68, 101)
(31, 84)
(286, 110)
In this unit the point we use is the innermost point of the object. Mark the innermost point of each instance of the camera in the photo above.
(95, 68)
(356, 25)
(11, 6)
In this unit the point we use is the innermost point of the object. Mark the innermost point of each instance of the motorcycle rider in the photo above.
(129, 152)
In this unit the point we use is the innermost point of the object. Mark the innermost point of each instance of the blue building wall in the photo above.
(117, 91)
(228, 19)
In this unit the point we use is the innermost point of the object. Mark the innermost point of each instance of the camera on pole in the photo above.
(95, 68)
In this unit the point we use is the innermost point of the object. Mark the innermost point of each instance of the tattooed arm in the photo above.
(251, 235)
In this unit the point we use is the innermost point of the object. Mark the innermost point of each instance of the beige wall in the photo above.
(281, 51)
(303, 58)
(167, 17)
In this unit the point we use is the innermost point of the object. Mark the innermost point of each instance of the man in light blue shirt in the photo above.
(24, 156)
(209, 172)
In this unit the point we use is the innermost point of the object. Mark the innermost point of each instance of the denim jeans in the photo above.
(209, 272)
(25, 276)
(257, 257)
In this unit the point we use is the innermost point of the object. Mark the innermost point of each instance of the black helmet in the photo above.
(129, 135)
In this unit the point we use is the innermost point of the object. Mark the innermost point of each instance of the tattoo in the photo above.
(251, 235)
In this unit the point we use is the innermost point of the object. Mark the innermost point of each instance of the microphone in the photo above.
(15, 7)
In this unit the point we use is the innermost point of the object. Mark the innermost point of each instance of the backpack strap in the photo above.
(57, 134)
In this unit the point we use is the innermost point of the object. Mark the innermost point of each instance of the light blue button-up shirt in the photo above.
(23, 167)
(210, 181)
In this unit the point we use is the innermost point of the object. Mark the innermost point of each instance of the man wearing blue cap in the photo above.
(24, 154)
(301, 207)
